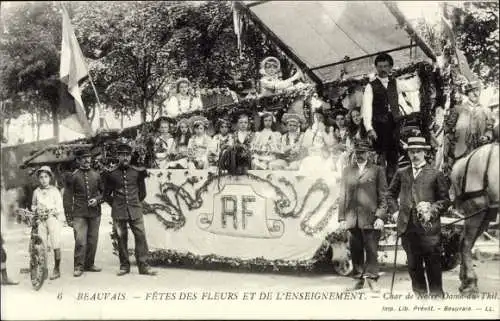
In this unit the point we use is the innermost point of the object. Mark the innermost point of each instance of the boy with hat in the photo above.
(82, 204)
(124, 191)
(423, 195)
(362, 209)
(48, 203)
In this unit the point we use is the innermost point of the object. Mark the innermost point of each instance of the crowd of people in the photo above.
(347, 142)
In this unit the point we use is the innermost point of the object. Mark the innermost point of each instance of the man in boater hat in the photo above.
(124, 190)
(82, 205)
(362, 209)
(423, 195)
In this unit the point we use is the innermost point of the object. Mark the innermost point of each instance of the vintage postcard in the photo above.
(249, 160)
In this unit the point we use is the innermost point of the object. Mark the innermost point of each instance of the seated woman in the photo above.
(199, 144)
(266, 144)
(163, 144)
(223, 138)
(183, 101)
(291, 141)
(317, 142)
(180, 149)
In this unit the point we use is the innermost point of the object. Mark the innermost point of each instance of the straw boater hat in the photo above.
(291, 117)
(417, 143)
(45, 169)
(197, 120)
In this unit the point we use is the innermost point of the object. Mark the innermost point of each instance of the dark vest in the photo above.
(383, 98)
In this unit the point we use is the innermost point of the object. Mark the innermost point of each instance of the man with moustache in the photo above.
(381, 114)
(124, 190)
(423, 195)
(362, 209)
(82, 204)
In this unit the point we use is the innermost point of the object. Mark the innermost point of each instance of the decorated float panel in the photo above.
(274, 215)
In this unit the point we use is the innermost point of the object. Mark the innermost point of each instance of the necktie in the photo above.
(416, 170)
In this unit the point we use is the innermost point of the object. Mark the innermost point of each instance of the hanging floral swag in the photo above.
(320, 261)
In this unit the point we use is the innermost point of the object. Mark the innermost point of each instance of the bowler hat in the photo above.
(82, 152)
(417, 143)
(124, 149)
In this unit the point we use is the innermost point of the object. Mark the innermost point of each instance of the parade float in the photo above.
(277, 220)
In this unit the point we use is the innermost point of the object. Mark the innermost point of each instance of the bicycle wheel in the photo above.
(38, 263)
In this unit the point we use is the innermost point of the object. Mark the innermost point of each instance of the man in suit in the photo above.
(423, 196)
(362, 209)
(82, 204)
(124, 190)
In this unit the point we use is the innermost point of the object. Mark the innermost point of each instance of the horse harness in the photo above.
(482, 192)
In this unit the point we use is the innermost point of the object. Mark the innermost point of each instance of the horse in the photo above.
(475, 185)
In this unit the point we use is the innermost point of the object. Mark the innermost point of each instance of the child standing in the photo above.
(48, 203)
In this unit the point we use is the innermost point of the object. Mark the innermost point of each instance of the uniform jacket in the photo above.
(363, 196)
(81, 186)
(124, 190)
(429, 186)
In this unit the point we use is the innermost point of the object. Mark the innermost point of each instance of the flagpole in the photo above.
(101, 117)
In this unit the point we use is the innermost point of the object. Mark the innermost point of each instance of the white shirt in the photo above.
(362, 166)
(418, 168)
(366, 108)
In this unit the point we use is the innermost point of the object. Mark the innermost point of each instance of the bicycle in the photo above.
(37, 247)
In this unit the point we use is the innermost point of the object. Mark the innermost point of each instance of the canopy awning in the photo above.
(333, 37)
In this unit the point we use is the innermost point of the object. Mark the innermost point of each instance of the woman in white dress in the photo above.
(266, 144)
(199, 144)
(184, 101)
(291, 141)
(317, 142)
(270, 83)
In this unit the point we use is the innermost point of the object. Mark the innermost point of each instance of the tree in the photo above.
(476, 27)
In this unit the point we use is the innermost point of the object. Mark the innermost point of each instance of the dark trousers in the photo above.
(4, 254)
(424, 259)
(364, 252)
(387, 144)
(141, 245)
(86, 231)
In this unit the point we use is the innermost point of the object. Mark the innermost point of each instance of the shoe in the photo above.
(55, 275)
(123, 272)
(93, 268)
(373, 285)
(359, 285)
(77, 273)
(148, 272)
(7, 281)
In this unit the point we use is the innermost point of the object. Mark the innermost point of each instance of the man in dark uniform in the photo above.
(124, 190)
(82, 204)
(423, 194)
(363, 208)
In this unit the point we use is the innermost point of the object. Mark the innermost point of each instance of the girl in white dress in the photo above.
(267, 143)
(184, 101)
(48, 202)
(199, 144)
(270, 83)
(181, 140)
(291, 141)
